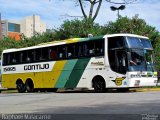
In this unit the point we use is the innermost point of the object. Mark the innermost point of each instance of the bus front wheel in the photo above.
(20, 86)
(99, 84)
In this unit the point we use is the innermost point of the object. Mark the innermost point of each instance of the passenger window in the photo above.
(16, 58)
(5, 59)
(38, 54)
(80, 50)
(99, 47)
(24, 56)
(30, 56)
(62, 52)
(85, 49)
(71, 51)
(44, 54)
(91, 48)
(53, 53)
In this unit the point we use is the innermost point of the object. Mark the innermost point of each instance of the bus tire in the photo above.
(98, 84)
(20, 86)
(29, 85)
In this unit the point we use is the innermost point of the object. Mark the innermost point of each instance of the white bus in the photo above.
(119, 61)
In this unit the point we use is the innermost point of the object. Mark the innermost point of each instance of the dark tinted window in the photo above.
(116, 42)
(62, 52)
(117, 55)
(53, 53)
(68, 51)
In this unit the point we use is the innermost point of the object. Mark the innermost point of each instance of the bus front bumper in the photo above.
(142, 82)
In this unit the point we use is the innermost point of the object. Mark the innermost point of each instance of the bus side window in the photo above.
(44, 54)
(99, 47)
(12, 58)
(85, 49)
(5, 59)
(80, 50)
(71, 51)
(17, 57)
(76, 50)
(30, 56)
(91, 47)
(52, 54)
(24, 56)
(62, 53)
(37, 54)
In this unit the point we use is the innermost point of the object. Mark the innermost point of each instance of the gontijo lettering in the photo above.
(36, 67)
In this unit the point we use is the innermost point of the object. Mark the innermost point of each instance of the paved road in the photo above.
(81, 103)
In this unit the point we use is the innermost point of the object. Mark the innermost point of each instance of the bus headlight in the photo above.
(155, 75)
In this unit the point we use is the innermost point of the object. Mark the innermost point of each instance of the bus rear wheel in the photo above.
(20, 86)
(99, 84)
(29, 85)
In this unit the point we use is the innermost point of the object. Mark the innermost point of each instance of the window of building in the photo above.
(12, 27)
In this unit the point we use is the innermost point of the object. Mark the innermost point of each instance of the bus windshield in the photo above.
(141, 60)
(137, 60)
(133, 42)
(141, 54)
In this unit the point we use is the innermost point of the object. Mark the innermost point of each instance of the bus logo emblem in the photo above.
(118, 81)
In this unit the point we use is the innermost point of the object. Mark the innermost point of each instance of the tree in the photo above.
(77, 28)
(92, 5)
(133, 25)
(95, 6)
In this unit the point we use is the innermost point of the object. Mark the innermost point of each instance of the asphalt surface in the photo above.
(112, 105)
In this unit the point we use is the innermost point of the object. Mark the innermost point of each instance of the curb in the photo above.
(147, 89)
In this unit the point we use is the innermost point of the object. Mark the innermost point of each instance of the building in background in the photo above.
(32, 25)
(11, 29)
(29, 26)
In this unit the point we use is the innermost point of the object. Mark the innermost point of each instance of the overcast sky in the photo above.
(52, 11)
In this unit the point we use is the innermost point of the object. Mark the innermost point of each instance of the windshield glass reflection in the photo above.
(133, 42)
(137, 60)
(149, 60)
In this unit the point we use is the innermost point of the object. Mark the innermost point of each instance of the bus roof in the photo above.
(124, 34)
(72, 40)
